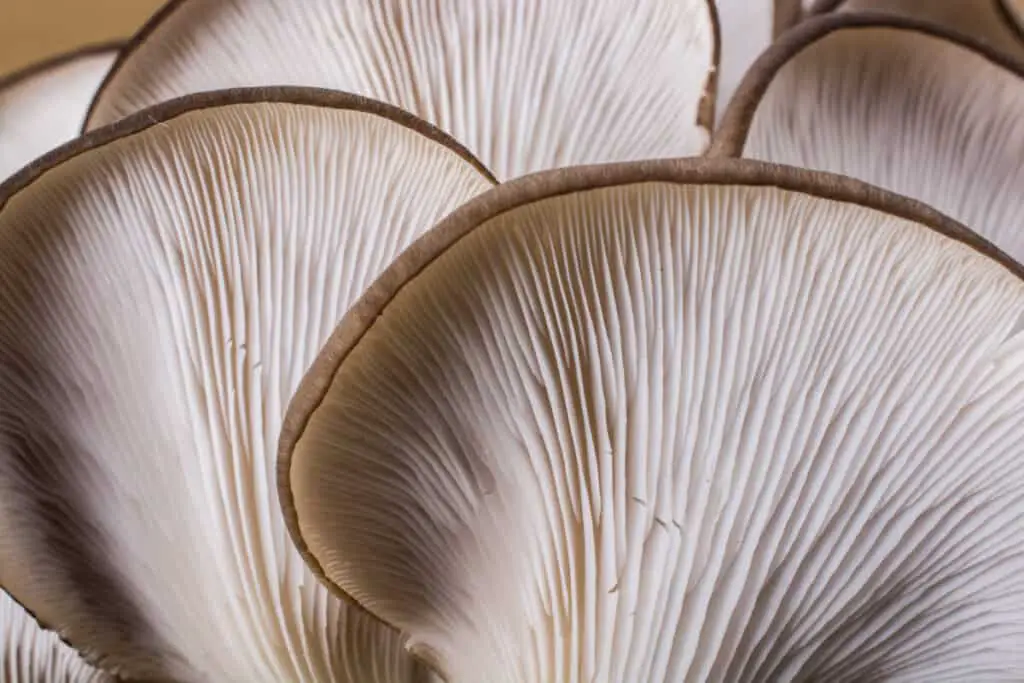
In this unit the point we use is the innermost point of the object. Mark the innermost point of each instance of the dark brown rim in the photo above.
(705, 108)
(170, 110)
(517, 193)
(166, 111)
(823, 7)
(731, 136)
(129, 47)
(1001, 7)
(35, 68)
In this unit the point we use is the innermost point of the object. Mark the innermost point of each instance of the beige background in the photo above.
(31, 30)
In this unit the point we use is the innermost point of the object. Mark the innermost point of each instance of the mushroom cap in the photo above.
(525, 85)
(44, 105)
(992, 22)
(897, 103)
(30, 654)
(705, 420)
(165, 284)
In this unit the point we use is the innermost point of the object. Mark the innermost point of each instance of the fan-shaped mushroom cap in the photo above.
(29, 654)
(678, 422)
(526, 85)
(163, 289)
(989, 21)
(897, 104)
(44, 105)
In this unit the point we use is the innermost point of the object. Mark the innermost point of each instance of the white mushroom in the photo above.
(29, 654)
(895, 103)
(44, 105)
(525, 85)
(704, 421)
(994, 22)
(163, 288)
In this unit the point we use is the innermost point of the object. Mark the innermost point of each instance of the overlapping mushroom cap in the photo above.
(694, 421)
(162, 289)
(45, 104)
(897, 103)
(526, 85)
(668, 421)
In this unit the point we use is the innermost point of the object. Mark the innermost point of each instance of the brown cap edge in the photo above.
(54, 61)
(166, 111)
(129, 47)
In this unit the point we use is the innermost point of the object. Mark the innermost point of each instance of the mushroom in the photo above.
(44, 105)
(165, 284)
(699, 420)
(897, 103)
(29, 654)
(747, 27)
(994, 22)
(526, 85)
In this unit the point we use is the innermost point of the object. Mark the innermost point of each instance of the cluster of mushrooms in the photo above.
(517, 341)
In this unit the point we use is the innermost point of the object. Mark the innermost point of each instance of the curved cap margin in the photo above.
(731, 136)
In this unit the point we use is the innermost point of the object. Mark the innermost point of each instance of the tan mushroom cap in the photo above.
(992, 22)
(706, 420)
(525, 85)
(165, 284)
(896, 103)
(44, 105)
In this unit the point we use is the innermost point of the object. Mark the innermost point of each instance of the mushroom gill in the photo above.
(30, 654)
(165, 284)
(897, 103)
(708, 421)
(525, 85)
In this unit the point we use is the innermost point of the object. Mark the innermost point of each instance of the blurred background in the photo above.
(31, 30)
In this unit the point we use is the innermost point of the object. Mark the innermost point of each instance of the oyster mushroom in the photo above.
(994, 22)
(708, 420)
(44, 105)
(29, 654)
(897, 103)
(165, 283)
(525, 84)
